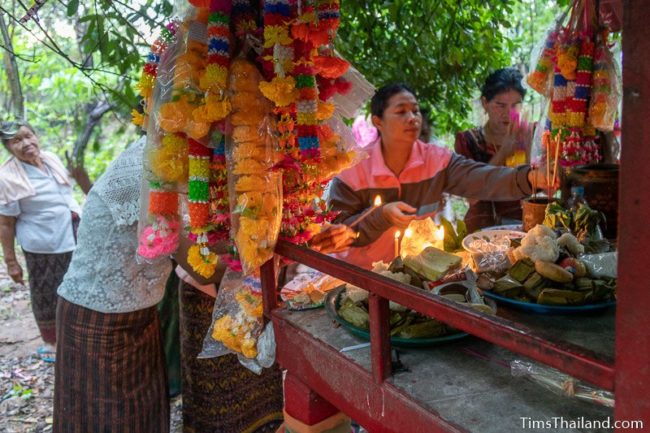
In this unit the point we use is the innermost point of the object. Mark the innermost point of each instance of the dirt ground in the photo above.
(26, 381)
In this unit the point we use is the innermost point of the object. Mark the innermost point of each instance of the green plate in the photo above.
(333, 302)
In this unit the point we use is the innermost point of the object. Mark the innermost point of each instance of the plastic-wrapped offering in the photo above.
(255, 191)
(541, 76)
(176, 114)
(561, 383)
(606, 94)
(165, 166)
(238, 324)
(601, 265)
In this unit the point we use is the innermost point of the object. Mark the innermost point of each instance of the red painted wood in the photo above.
(632, 318)
(304, 404)
(379, 337)
(269, 288)
(569, 358)
(380, 408)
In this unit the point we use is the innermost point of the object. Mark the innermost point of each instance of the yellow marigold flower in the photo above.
(145, 85)
(307, 119)
(169, 161)
(250, 183)
(325, 110)
(173, 116)
(250, 166)
(197, 130)
(243, 133)
(276, 35)
(250, 303)
(214, 77)
(282, 91)
(137, 118)
(204, 266)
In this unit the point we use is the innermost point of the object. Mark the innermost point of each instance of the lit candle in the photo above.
(439, 237)
(374, 206)
(397, 235)
(407, 235)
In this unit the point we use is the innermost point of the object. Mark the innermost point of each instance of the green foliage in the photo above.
(442, 48)
(93, 52)
(532, 19)
(18, 390)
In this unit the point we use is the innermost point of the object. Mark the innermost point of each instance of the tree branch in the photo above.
(95, 113)
(18, 56)
(17, 98)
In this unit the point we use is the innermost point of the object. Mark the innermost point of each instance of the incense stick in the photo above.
(557, 157)
(535, 183)
(548, 167)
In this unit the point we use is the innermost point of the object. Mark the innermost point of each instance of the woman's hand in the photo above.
(399, 214)
(15, 272)
(333, 239)
(537, 179)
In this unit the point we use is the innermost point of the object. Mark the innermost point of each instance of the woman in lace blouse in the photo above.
(110, 369)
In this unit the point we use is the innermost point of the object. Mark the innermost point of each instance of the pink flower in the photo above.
(363, 131)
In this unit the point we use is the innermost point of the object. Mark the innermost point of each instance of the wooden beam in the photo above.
(632, 318)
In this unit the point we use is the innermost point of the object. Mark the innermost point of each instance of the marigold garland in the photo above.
(569, 51)
(149, 71)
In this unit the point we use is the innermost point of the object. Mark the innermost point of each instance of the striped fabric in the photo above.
(219, 395)
(46, 272)
(110, 372)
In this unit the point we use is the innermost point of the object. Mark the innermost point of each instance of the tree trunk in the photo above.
(17, 99)
(95, 113)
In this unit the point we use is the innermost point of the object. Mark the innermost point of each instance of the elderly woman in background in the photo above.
(503, 140)
(37, 209)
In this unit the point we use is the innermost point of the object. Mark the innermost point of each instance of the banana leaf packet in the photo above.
(403, 324)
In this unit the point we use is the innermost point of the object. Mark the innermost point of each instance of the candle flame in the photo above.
(398, 234)
(408, 233)
(377, 201)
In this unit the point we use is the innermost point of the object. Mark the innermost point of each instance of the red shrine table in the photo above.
(464, 385)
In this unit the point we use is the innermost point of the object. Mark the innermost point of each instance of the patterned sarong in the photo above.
(46, 272)
(219, 394)
(110, 372)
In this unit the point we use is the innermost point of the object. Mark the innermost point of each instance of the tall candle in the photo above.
(397, 235)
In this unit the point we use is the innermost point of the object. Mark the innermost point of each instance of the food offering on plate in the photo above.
(489, 248)
(307, 290)
(553, 270)
(449, 281)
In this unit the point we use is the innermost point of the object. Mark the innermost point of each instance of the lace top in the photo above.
(103, 274)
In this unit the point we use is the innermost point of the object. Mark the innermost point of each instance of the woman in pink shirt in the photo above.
(408, 175)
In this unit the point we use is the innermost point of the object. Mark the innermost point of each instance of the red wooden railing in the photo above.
(572, 359)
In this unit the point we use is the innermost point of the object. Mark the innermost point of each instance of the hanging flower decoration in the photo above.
(574, 113)
(149, 73)
(218, 126)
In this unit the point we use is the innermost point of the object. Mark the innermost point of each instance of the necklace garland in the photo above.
(571, 63)
(150, 71)
(214, 103)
